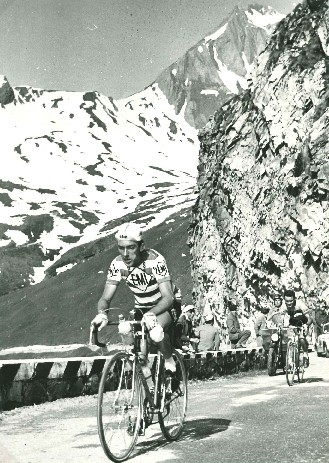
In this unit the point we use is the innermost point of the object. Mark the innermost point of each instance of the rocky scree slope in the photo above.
(217, 67)
(76, 164)
(261, 220)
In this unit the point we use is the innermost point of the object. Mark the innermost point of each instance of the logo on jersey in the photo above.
(161, 269)
(140, 280)
(113, 271)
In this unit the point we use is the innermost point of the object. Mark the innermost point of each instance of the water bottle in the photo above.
(125, 331)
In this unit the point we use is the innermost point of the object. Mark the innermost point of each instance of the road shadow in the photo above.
(194, 430)
(204, 427)
(312, 380)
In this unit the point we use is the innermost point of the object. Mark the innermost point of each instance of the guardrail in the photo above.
(29, 382)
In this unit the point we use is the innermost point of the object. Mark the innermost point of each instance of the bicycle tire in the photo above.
(290, 363)
(119, 407)
(172, 418)
(300, 364)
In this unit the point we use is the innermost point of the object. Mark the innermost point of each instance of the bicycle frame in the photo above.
(296, 330)
(137, 366)
(140, 337)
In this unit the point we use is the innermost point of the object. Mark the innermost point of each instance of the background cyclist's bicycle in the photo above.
(295, 356)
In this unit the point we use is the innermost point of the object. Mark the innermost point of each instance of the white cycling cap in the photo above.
(208, 317)
(129, 231)
(187, 308)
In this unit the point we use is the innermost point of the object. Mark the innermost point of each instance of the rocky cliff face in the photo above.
(216, 68)
(261, 221)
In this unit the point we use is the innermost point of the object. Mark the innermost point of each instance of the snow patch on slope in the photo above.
(229, 78)
(216, 34)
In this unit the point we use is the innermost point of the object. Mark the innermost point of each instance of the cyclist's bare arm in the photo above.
(103, 306)
(105, 300)
(167, 298)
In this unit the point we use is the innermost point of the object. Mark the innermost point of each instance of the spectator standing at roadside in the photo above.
(208, 334)
(319, 318)
(237, 337)
(184, 328)
(223, 333)
(261, 324)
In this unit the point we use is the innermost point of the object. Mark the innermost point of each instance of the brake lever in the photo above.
(93, 337)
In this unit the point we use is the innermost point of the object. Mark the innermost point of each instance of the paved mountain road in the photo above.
(249, 419)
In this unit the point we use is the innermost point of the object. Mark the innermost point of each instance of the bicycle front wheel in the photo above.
(300, 366)
(290, 363)
(119, 407)
(174, 401)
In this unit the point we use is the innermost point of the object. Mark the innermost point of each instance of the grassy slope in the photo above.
(59, 309)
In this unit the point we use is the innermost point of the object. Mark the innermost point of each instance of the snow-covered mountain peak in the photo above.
(217, 67)
(264, 17)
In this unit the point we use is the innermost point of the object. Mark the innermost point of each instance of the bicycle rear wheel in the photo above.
(174, 400)
(290, 363)
(119, 407)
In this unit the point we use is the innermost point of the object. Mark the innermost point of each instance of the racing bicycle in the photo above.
(294, 357)
(127, 405)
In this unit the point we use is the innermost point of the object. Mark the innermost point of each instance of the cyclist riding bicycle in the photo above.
(146, 273)
(296, 318)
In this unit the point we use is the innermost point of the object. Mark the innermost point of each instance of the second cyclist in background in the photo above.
(295, 311)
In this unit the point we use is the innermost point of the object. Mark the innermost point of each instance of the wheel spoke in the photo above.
(172, 417)
(119, 408)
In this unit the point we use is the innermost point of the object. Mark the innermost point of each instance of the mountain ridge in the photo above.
(218, 70)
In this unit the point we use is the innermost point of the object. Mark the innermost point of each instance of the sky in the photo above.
(116, 47)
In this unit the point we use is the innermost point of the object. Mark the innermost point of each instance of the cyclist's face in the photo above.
(130, 252)
(290, 302)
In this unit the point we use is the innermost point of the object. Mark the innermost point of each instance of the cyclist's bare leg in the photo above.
(304, 345)
(165, 321)
(165, 347)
